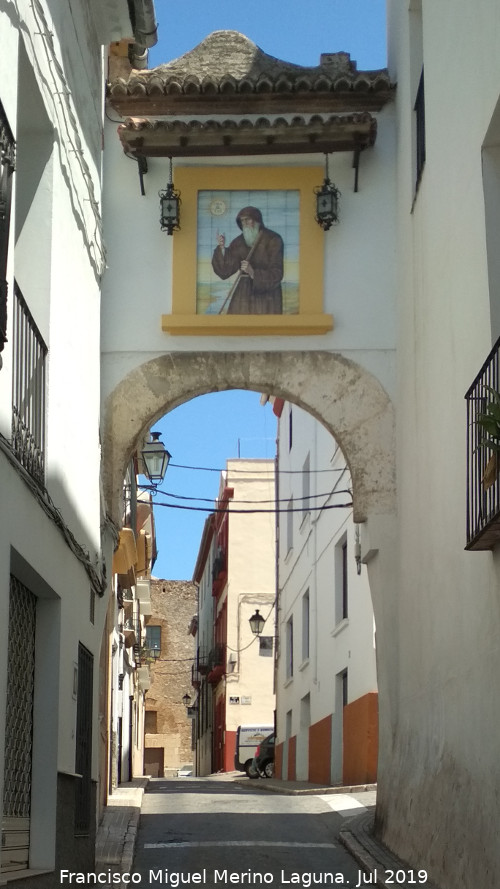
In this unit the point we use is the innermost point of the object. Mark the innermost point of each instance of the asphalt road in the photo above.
(203, 833)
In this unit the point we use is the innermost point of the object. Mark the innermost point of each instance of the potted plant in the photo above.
(489, 423)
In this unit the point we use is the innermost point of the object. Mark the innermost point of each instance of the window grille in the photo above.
(18, 727)
(28, 391)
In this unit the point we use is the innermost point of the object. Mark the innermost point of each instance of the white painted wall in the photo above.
(52, 93)
(313, 565)
(250, 585)
(440, 809)
(359, 262)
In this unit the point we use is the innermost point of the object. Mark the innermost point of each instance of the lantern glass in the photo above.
(256, 623)
(155, 458)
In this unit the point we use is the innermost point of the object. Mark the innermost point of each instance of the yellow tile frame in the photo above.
(310, 319)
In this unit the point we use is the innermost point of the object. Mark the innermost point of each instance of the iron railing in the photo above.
(217, 656)
(483, 484)
(28, 390)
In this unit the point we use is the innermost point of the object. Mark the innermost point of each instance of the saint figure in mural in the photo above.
(257, 256)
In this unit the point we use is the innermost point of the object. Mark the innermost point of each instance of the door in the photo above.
(19, 728)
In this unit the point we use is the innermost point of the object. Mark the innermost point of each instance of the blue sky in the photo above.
(207, 431)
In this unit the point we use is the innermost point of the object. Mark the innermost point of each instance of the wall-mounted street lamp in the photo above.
(327, 201)
(155, 458)
(170, 202)
(186, 699)
(256, 623)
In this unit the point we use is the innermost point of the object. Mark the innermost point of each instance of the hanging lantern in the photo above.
(155, 458)
(170, 202)
(327, 201)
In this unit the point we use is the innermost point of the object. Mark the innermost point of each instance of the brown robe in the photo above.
(262, 294)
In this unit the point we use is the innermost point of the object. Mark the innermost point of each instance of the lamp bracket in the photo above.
(142, 167)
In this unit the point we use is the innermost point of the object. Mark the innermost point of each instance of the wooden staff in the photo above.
(239, 277)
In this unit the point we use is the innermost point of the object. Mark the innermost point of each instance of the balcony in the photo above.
(217, 663)
(219, 572)
(483, 464)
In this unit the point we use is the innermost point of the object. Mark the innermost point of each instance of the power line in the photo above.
(255, 511)
(256, 471)
(279, 500)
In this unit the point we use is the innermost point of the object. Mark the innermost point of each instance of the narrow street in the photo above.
(210, 832)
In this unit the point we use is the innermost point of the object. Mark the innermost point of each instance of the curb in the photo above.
(308, 790)
(385, 869)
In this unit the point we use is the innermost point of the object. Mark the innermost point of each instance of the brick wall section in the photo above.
(173, 604)
(278, 761)
(320, 751)
(361, 740)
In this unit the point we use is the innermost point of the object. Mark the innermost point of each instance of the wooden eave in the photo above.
(143, 137)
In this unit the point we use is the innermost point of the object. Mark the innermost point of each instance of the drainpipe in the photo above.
(145, 29)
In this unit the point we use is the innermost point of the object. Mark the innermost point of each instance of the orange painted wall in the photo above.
(361, 740)
(278, 760)
(292, 753)
(229, 751)
(320, 747)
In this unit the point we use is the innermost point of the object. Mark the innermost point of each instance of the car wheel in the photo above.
(253, 772)
(248, 769)
(268, 769)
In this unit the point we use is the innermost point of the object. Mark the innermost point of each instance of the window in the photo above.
(420, 128)
(343, 680)
(305, 711)
(28, 390)
(305, 626)
(306, 486)
(151, 722)
(417, 87)
(153, 640)
(289, 648)
(7, 150)
(288, 725)
(289, 525)
(341, 581)
(266, 646)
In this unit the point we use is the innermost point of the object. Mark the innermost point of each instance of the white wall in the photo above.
(444, 784)
(359, 262)
(314, 565)
(250, 584)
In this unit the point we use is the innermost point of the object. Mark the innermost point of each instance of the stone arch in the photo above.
(348, 400)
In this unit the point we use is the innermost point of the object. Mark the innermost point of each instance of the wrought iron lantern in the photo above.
(155, 458)
(327, 201)
(186, 699)
(256, 623)
(170, 202)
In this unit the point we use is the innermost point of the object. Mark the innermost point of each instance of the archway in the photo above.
(349, 401)
(342, 395)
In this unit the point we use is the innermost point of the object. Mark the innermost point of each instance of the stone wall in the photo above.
(173, 603)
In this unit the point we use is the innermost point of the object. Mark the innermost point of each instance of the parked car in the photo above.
(263, 761)
(247, 739)
(185, 771)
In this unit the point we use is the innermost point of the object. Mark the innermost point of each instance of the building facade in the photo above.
(439, 808)
(169, 650)
(235, 573)
(56, 542)
(327, 701)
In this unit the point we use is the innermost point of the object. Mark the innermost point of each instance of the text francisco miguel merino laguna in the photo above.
(177, 879)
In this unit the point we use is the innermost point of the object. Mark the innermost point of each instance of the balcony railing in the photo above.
(28, 391)
(483, 483)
